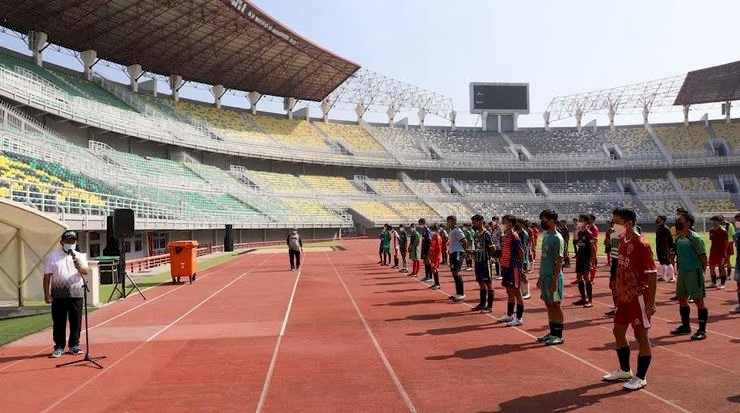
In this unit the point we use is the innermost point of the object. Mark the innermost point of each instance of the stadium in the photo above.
(295, 136)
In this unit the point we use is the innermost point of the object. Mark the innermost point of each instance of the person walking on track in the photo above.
(295, 248)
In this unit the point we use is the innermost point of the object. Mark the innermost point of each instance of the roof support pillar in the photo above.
(391, 112)
(88, 57)
(645, 114)
(484, 121)
(325, 109)
(686, 115)
(218, 91)
(546, 118)
(134, 73)
(288, 105)
(37, 42)
(422, 113)
(175, 84)
(254, 97)
(611, 115)
(728, 106)
(453, 116)
(360, 110)
(579, 117)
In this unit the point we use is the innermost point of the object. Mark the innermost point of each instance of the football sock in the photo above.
(703, 317)
(643, 362)
(623, 353)
(557, 329)
(685, 314)
(582, 289)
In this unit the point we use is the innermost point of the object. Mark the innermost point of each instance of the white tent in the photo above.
(26, 237)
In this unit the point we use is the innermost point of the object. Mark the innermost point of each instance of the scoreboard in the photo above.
(499, 98)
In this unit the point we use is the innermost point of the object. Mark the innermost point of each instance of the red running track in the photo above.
(345, 334)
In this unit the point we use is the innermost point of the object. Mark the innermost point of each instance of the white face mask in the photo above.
(619, 229)
(69, 247)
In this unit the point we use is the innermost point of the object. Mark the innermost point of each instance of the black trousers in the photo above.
(295, 259)
(63, 309)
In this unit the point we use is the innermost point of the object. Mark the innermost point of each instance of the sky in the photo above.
(558, 47)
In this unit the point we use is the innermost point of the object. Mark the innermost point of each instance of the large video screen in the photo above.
(499, 98)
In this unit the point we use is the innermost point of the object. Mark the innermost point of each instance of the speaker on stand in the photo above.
(123, 227)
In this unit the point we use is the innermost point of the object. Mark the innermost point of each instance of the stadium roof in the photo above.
(228, 42)
(713, 84)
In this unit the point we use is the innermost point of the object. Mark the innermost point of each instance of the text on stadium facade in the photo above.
(243, 7)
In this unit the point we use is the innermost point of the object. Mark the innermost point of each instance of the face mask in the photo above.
(619, 229)
(680, 225)
(69, 247)
(543, 225)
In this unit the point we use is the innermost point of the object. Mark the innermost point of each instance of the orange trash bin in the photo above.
(183, 260)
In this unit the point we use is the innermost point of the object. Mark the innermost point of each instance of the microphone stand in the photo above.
(87, 358)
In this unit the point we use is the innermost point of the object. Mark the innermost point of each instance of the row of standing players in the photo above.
(509, 248)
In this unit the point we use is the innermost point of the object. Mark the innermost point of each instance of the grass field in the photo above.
(16, 328)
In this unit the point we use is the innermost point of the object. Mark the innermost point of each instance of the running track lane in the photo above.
(327, 361)
(454, 349)
(124, 341)
(38, 345)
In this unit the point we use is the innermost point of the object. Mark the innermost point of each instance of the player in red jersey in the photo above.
(635, 289)
(594, 246)
(718, 252)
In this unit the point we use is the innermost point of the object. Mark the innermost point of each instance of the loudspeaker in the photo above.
(123, 223)
(229, 238)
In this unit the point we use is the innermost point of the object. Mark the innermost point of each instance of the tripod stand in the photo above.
(87, 358)
(121, 277)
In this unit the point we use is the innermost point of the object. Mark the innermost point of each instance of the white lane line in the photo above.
(380, 351)
(145, 302)
(132, 351)
(569, 354)
(276, 350)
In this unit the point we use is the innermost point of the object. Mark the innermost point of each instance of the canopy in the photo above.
(26, 237)
(228, 42)
(713, 84)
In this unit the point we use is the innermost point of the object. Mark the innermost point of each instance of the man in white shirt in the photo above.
(64, 290)
(456, 247)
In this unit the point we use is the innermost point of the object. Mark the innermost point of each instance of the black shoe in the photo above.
(674, 298)
(609, 313)
(580, 302)
(681, 331)
(478, 307)
(699, 335)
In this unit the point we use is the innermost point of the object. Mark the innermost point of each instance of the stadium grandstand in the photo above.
(77, 145)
